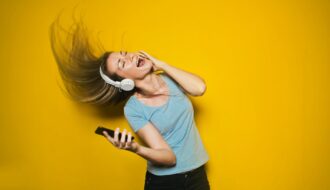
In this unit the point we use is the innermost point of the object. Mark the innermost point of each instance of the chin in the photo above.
(149, 67)
(145, 72)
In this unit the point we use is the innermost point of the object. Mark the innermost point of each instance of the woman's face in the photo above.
(128, 65)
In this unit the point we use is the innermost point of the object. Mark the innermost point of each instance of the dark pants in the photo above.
(192, 180)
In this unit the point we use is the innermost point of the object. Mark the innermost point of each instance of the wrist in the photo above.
(137, 149)
(161, 65)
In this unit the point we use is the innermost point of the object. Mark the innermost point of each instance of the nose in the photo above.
(129, 57)
(133, 57)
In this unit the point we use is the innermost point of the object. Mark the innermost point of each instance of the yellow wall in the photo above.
(264, 118)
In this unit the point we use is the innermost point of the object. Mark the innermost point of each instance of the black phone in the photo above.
(99, 130)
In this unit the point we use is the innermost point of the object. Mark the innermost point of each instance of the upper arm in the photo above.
(152, 137)
(193, 89)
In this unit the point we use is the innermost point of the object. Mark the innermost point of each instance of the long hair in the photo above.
(79, 65)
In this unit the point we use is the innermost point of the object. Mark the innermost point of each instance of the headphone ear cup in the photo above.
(127, 84)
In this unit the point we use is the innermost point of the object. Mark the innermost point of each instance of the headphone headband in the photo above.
(125, 84)
(108, 80)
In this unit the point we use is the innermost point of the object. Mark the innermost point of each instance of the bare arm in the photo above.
(158, 151)
(191, 83)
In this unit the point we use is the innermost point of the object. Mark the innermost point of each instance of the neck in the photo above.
(151, 85)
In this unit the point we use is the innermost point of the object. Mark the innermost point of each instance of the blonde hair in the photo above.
(79, 65)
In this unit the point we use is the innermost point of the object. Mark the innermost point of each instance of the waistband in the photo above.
(182, 173)
(193, 170)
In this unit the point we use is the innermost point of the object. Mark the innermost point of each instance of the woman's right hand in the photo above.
(120, 143)
(157, 64)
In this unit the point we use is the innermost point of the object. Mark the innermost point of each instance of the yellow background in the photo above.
(264, 118)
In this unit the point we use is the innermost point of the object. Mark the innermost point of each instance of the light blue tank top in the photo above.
(175, 121)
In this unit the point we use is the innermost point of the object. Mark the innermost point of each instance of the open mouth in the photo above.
(140, 62)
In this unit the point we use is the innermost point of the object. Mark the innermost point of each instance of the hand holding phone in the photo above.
(110, 132)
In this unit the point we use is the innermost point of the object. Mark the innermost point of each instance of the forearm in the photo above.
(157, 156)
(190, 82)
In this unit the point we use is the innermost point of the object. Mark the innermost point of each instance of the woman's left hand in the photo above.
(125, 142)
(157, 64)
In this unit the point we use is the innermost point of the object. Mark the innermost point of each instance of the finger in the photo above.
(151, 58)
(129, 139)
(116, 140)
(141, 52)
(142, 56)
(123, 136)
(107, 136)
(145, 54)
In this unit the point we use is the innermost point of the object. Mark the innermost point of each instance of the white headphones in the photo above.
(125, 84)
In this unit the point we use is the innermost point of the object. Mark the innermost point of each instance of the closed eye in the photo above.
(122, 65)
(120, 60)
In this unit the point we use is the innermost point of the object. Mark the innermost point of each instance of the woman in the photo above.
(156, 107)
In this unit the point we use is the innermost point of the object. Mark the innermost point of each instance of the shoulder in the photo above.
(131, 106)
(166, 77)
(134, 114)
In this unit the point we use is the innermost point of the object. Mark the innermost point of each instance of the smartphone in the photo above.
(99, 130)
